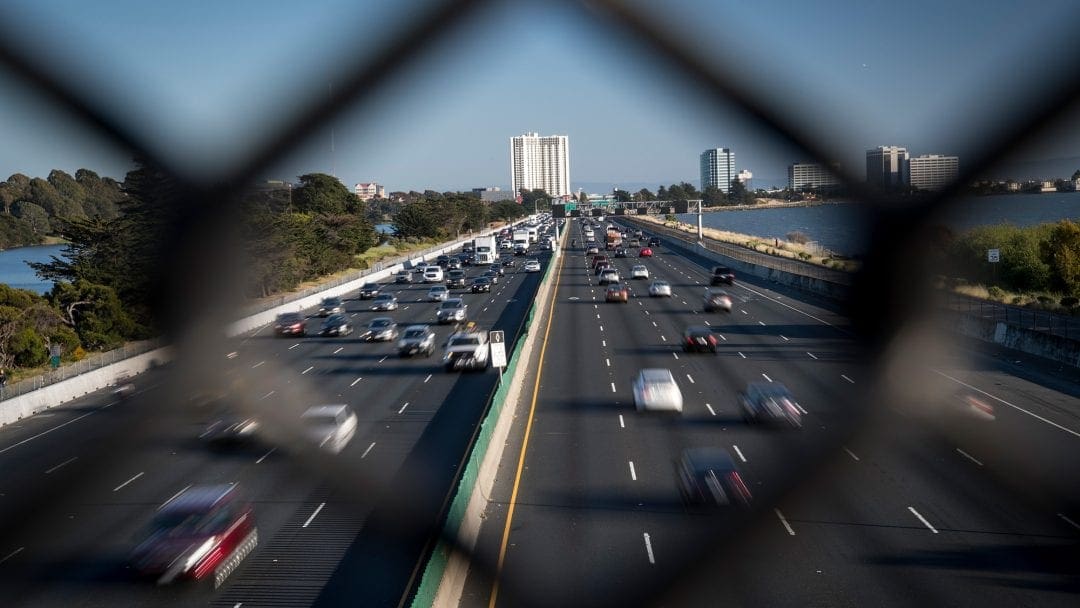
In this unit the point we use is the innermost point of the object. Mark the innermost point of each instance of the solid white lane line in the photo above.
(784, 338)
(922, 519)
(1061, 515)
(787, 526)
(12, 554)
(340, 348)
(307, 370)
(119, 487)
(403, 407)
(969, 457)
(608, 362)
(766, 376)
(367, 450)
(648, 549)
(1000, 400)
(742, 355)
(358, 379)
(266, 395)
(739, 452)
(676, 355)
(613, 387)
(428, 378)
(690, 378)
(257, 364)
(68, 461)
(812, 355)
(178, 492)
(761, 323)
(264, 456)
(852, 454)
(294, 346)
(633, 473)
(709, 407)
(846, 378)
(316, 512)
(622, 425)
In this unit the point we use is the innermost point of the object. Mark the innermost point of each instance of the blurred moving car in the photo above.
(660, 288)
(645, 252)
(709, 477)
(532, 266)
(621, 253)
(617, 292)
(370, 290)
(716, 299)
(438, 293)
(497, 269)
(381, 329)
(656, 389)
(385, 301)
(722, 274)
(231, 428)
(290, 324)
(481, 285)
(403, 276)
(654, 241)
(492, 276)
(455, 278)
(204, 532)
(433, 274)
(466, 351)
(453, 310)
(609, 275)
(699, 339)
(640, 271)
(336, 325)
(769, 402)
(592, 247)
(508, 263)
(330, 306)
(330, 427)
(416, 339)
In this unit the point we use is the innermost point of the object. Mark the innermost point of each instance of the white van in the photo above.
(433, 274)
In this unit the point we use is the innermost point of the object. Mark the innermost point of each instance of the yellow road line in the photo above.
(525, 443)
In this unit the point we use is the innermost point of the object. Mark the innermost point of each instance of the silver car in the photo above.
(453, 310)
(640, 271)
(660, 289)
(330, 427)
(656, 389)
(439, 293)
(416, 339)
(609, 275)
(384, 302)
(381, 329)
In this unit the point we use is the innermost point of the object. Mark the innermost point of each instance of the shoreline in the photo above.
(773, 203)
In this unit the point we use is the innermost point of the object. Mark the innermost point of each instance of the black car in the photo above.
(493, 275)
(770, 403)
(654, 241)
(336, 325)
(709, 477)
(497, 269)
(481, 284)
(290, 324)
(519, 250)
(455, 278)
(620, 253)
(508, 263)
(369, 290)
(443, 261)
(454, 264)
(699, 339)
(722, 274)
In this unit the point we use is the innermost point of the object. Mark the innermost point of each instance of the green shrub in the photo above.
(27, 348)
(996, 293)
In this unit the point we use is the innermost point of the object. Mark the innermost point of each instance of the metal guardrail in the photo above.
(70, 370)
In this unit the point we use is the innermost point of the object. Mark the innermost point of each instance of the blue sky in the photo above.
(208, 79)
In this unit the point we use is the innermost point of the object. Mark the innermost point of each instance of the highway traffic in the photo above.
(863, 502)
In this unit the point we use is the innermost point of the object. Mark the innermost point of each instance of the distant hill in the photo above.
(601, 187)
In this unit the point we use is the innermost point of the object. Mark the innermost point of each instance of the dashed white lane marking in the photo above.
(601, 328)
(846, 378)
(707, 323)
(355, 381)
(1000, 400)
(739, 453)
(267, 395)
(742, 355)
(608, 362)
(654, 324)
(787, 526)
(178, 492)
(709, 407)
(761, 323)
(613, 387)
(922, 519)
(121, 486)
(766, 376)
(294, 346)
(362, 456)
(622, 425)
(742, 311)
(1061, 515)
(633, 473)
(307, 370)
(340, 348)
(648, 549)
(969, 456)
(690, 378)
(722, 337)
(603, 343)
(663, 338)
(68, 461)
(384, 358)
(676, 355)
(428, 378)
(316, 512)
(263, 457)
(12, 554)
(782, 336)
(852, 454)
(257, 364)
(403, 407)
(812, 356)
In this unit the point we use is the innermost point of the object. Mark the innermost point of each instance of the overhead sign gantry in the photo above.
(613, 208)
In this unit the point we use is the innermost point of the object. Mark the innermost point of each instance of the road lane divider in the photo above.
(648, 549)
(121, 486)
(922, 519)
(783, 520)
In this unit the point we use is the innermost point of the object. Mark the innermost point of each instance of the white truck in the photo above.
(533, 233)
(484, 250)
(467, 350)
(521, 238)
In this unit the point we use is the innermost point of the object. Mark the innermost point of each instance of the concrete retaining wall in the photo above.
(1029, 341)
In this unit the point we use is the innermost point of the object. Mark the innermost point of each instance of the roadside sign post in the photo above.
(55, 350)
(993, 256)
(497, 343)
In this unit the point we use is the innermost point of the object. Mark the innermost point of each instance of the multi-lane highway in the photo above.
(874, 501)
(80, 482)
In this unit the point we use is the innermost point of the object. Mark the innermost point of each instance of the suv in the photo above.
(330, 306)
(654, 241)
(416, 339)
(769, 402)
(466, 351)
(453, 310)
(716, 299)
(403, 276)
(290, 324)
(455, 278)
(370, 290)
(597, 260)
(433, 274)
(699, 339)
(722, 274)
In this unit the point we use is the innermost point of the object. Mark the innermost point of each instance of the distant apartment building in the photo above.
(369, 191)
(811, 176)
(540, 163)
(933, 171)
(745, 177)
(717, 169)
(888, 167)
(493, 195)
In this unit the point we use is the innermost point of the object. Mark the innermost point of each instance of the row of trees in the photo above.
(711, 197)
(1042, 258)
(33, 208)
(450, 214)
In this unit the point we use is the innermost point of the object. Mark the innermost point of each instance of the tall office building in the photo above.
(888, 167)
(933, 171)
(810, 176)
(540, 163)
(717, 169)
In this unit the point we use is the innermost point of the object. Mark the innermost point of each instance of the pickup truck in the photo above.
(466, 351)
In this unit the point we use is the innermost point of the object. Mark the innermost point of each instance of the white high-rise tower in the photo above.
(540, 162)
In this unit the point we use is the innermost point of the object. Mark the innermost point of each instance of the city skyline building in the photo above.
(717, 169)
(888, 167)
(933, 171)
(811, 176)
(540, 162)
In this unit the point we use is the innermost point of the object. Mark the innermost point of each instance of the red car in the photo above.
(290, 324)
(645, 253)
(204, 532)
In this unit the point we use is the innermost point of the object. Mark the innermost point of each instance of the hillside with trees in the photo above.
(32, 209)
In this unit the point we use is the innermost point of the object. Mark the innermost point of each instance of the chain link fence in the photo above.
(67, 371)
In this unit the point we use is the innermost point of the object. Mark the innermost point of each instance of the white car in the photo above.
(438, 293)
(660, 288)
(532, 266)
(330, 427)
(433, 274)
(639, 272)
(609, 275)
(656, 389)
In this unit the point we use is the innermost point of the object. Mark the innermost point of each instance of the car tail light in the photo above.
(737, 484)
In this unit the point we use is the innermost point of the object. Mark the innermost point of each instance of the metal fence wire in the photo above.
(200, 243)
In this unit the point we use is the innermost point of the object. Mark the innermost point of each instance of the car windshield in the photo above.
(371, 286)
(415, 333)
(384, 298)
(379, 323)
(449, 304)
(183, 523)
(438, 289)
(331, 301)
(290, 318)
(335, 319)
(465, 341)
